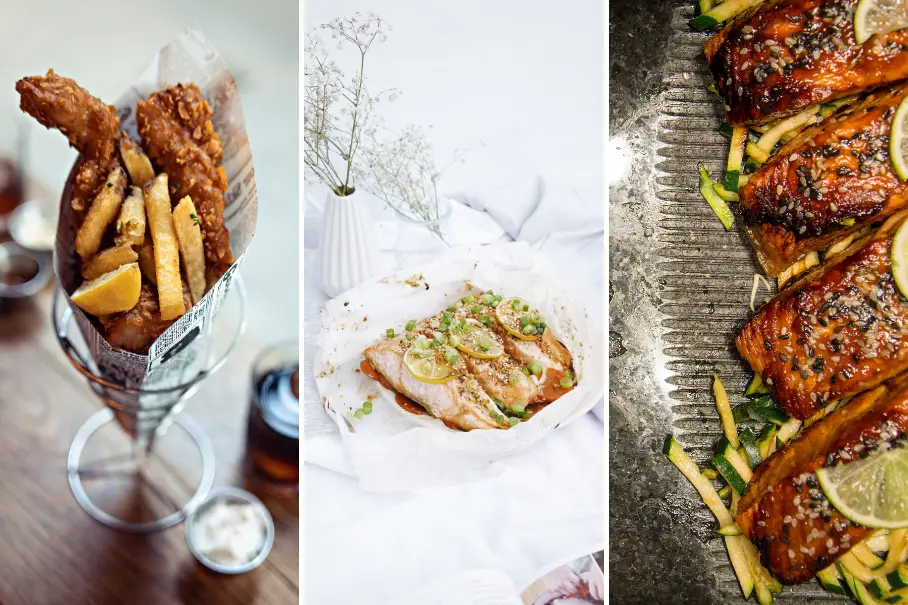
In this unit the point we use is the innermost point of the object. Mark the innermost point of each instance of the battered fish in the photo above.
(180, 140)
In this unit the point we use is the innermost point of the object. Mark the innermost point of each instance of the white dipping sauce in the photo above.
(229, 533)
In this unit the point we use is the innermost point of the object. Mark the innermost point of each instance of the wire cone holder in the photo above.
(145, 414)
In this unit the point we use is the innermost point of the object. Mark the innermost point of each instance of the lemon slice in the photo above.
(899, 258)
(898, 143)
(478, 341)
(879, 17)
(428, 365)
(113, 292)
(519, 318)
(873, 491)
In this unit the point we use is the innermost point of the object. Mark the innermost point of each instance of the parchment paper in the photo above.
(392, 450)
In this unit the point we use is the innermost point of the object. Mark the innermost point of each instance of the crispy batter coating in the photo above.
(90, 125)
(178, 136)
(136, 329)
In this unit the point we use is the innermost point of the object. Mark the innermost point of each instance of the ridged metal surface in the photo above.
(682, 289)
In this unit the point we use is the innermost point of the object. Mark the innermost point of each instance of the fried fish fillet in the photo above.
(837, 332)
(180, 140)
(830, 181)
(786, 514)
(91, 126)
(787, 55)
(136, 329)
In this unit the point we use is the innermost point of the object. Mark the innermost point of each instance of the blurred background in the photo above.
(105, 44)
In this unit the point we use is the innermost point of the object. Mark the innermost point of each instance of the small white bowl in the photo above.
(230, 494)
(15, 260)
(33, 224)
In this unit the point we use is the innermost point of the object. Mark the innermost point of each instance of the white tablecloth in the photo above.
(543, 506)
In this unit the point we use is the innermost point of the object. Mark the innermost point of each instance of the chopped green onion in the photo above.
(485, 320)
(519, 407)
(421, 342)
(534, 368)
(487, 299)
(410, 336)
(439, 337)
(512, 422)
(566, 383)
(529, 329)
(499, 404)
(389, 332)
(451, 356)
(434, 323)
(367, 407)
(451, 309)
(515, 378)
(446, 318)
(410, 325)
(358, 413)
(475, 309)
(498, 299)
(524, 321)
(525, 370)
(467, 300)
(569, 373)
(516, 305)
(526, 308)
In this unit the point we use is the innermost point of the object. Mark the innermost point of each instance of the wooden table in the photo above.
(51, 551)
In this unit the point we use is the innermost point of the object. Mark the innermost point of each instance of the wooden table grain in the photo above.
(51, 551)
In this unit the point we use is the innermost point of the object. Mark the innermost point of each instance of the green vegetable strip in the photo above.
(829, 579)
(740, 563)
(712, 198)
(731, 530)
(788, 430)
(730, 474)
(850, 564)
(795, 122)
(735, 157)
(728, 420)
(706, 5)
(723, 12)
(757, 154)
(682, 461)
(866, 556)
(725, 194)
(749, 443)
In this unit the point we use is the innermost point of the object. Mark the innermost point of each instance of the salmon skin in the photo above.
(787, 55)
(486, 391)
(785, 513)
(837, 332)
(832, 180)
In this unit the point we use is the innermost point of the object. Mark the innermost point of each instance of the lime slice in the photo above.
(873, 491)
(900, 258)
(428, 365)
(898, 143)
(478, 341)
(879, 17)
(519, 318)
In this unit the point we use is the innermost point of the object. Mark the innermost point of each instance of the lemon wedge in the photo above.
(112, 292)
(520, 318)
(879, 17)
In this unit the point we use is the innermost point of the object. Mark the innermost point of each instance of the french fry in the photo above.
(131, 224)
(166, 252)
(109, 260)
(137, 163)
(103, 211)
(146, 261)
(189, 235)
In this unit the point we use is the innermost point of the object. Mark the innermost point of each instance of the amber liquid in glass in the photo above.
(273, 439)
(10, 186)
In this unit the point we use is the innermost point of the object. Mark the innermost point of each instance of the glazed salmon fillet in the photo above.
(785, 513)
(786, 55)
(837, 332)
(830, 181)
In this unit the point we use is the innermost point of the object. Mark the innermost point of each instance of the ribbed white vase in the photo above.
(349, 251)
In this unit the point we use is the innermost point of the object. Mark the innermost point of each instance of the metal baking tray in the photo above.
(679, 291)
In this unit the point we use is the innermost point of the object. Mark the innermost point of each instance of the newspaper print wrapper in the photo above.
(394, 450)
(180, 353)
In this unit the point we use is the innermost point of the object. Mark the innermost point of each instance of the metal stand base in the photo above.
(76, 473)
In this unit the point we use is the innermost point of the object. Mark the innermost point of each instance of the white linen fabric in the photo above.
(543, 505)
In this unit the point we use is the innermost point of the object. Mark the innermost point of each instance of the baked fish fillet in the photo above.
(830, 181)
(460, 401)
(787, 55)
(839, 331)
(473, 400)
(786, 514)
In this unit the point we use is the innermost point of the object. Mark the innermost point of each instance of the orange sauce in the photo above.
(552, 389)
(404, 402)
